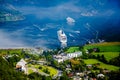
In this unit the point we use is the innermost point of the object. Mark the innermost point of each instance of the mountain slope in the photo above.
(9, 13)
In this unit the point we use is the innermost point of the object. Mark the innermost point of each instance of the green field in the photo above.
(30, 71)
(52, 70)
(72, 49)
(10, 51)
(105, 47)
(102, 65)
(108, 55)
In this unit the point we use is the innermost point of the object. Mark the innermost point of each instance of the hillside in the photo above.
(105, 47)
(101, 64)
(106, 53)
(9, 13)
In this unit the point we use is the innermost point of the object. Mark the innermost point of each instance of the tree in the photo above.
(7, 72)
(115, 61)
(35, 76)
(54, 63)
(98, 56)
(114, 75)
(103, 59)
(12, 60)
(64, 76)
(92, 74)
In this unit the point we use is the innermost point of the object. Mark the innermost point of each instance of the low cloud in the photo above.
(9, 42)
(61, 11)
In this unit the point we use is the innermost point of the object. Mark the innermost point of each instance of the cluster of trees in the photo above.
(36, 76)
(115, 61)
(46, 71)
(114, 75)
(101, 58)
(94, 50)
(7, 71)
(77, 65)
(13, 60)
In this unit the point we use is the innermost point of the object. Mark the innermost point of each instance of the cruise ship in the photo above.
(61, 36)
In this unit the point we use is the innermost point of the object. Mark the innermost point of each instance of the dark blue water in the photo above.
(41, 23)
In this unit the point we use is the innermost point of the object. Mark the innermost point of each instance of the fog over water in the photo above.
(93, 20)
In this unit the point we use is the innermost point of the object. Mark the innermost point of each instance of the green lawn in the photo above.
(52, 70)
(108, 55)
(30, 71)
(105, 47)
(102, 65)
(72, 49)
(10, 51)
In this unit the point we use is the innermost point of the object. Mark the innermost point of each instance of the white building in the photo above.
(58, 58)
(62, 57)
(100, 75)
(75, 54)
(21, 65)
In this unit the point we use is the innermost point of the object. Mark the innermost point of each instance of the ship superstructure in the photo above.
(62, 38)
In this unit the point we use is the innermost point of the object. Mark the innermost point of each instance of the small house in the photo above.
(21, 65)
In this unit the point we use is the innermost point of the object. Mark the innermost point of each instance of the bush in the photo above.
(40, 67)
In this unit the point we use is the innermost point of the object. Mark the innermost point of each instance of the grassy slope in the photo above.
(72, 49)
(52, 70)
(108, 49)
(108, 55)
(10, 51)
(102, 65)
(105, 47)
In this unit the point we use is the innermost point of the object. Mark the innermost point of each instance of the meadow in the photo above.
(41, 68)
(105, 47)
(108, 55)
(10, 51)
(72, 49)
(102, 65)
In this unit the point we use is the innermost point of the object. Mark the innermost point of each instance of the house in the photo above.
(58, 58)
(62, 57)
(68, 66)
(81, 74)
(77, 78)
(89, 66)
(100, 75)
(71, 74)
(21, 65)
(75, 54)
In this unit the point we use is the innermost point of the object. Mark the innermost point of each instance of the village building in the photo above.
(100, 75)
(21, 65)
(62, 57)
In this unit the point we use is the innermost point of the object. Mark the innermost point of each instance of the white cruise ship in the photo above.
(61, 36)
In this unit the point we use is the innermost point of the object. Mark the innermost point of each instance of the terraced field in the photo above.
(72, 49)
(105, 47)
(33, 68)
(102, 65)
(108, 55)
(110, 50)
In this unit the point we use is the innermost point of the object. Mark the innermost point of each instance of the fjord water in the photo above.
(41, 23)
